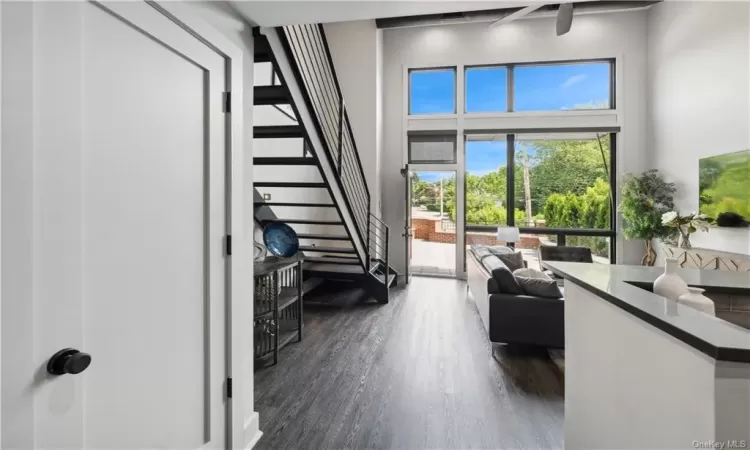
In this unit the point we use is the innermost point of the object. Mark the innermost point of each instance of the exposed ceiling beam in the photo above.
(517, 15)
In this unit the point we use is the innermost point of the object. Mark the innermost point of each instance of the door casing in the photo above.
(460, 208)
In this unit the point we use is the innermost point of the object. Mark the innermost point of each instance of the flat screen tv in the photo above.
(725, 184)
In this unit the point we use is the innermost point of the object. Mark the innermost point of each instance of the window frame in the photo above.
(508, 87)
(511, 76)
(610, 233)
(454, 69)
(436, 136)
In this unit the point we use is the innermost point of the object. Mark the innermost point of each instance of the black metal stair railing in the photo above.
(377, 243)
(308, 51)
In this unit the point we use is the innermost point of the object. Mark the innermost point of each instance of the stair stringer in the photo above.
(305, 117)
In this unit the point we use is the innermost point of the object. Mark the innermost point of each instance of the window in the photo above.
(563, 181)
(486, 89)
(486, 180)
(558, 188)
(435, 148)
(554, 87)
(432, 91)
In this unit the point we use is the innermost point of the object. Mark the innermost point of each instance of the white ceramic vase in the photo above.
(669, 284)
(695, 298)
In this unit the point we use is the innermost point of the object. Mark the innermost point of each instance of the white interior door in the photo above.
(121, 202)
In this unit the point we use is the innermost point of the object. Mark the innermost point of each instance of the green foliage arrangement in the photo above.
(645, 198)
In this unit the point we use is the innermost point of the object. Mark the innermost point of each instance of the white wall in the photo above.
(698, 58)
(356, 54)
(235, 28)
(616, 35)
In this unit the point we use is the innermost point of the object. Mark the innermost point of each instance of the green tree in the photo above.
(562, 166)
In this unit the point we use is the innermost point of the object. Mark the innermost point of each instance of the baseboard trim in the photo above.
(252, 431)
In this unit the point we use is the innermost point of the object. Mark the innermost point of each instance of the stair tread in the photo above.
(297, 184)
(334, 260)
(309, 205)
(271, 95)
(320, 249)
(308, 221)
(282, 161)
(315, 267)
(278, 131)
(330, 237)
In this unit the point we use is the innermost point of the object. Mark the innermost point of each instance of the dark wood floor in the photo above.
(416, 373)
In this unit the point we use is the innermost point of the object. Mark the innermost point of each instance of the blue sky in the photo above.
(537, 88)
(482, 157)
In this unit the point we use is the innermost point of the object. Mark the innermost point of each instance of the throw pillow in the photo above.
(506, 282)
(531, 273)
(539, 287)
(514, 261)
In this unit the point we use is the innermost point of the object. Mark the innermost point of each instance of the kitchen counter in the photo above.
(642, 371)
(626, 287)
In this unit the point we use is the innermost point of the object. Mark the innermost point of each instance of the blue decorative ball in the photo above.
(281, 240)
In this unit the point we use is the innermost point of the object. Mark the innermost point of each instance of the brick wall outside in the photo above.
(421, 228)
(429, 230)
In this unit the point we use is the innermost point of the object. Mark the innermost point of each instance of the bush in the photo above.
(588, 210)
(432, 207)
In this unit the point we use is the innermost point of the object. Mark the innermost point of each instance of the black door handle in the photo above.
(68, 360)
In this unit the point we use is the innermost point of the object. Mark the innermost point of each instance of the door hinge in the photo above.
(229, 387)
(228, 245)
(227, 102)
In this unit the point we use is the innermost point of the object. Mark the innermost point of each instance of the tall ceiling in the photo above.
(282, 12)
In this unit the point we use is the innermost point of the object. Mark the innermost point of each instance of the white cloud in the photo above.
(575, 79)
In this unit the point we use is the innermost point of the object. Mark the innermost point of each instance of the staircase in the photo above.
(307, 170)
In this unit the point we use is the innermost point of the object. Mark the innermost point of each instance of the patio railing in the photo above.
(447, 225)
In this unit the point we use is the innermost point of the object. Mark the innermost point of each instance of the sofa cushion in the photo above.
(500, 250)
(480, 251)
(530, 273)
(506, 282)
(513, 260)
(539, 287)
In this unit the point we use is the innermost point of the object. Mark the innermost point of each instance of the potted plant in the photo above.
(686, 225)
(645, 198)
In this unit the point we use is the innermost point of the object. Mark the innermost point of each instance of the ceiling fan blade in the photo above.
(564, 18)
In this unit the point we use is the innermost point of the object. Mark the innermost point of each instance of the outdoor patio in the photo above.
(437, 258)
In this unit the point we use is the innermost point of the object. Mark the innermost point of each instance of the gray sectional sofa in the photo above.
(509, 315)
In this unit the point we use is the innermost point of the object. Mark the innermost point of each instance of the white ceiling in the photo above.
(283, 12)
